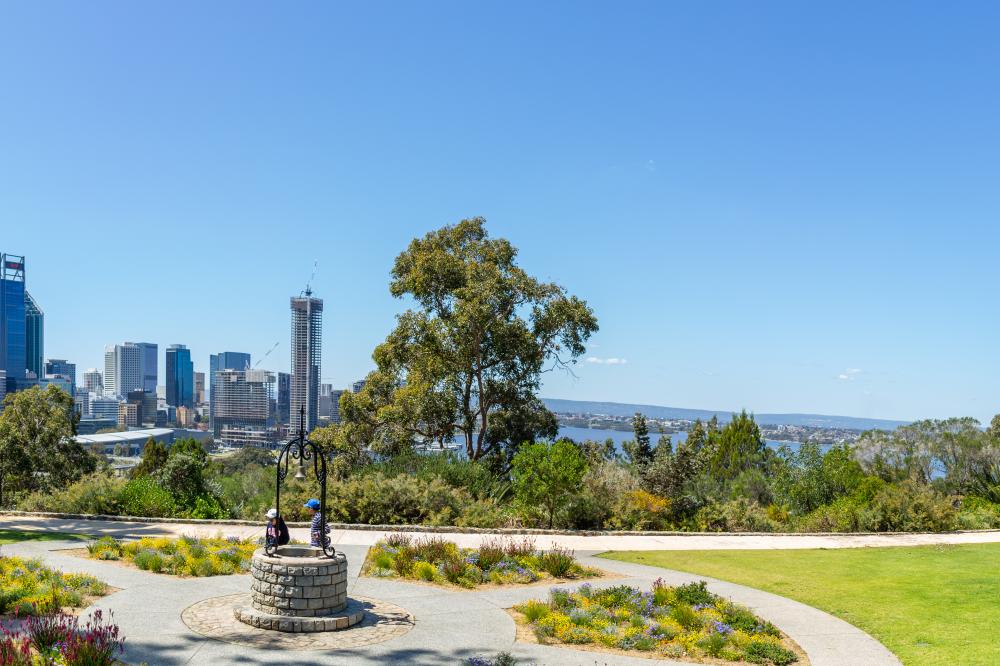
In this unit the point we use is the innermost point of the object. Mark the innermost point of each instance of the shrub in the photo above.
(149, 560)
(768, 652)
(144, 497)
(520, 547)
(424, 571)
(694, 594)
(534, 610)
(14, 650)
(491, 551)
(97, 493)
(96, 643)
(558, 562)
(738, 515)
(47, 630)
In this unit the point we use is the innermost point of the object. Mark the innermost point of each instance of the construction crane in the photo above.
(266, 354)
(308, 289)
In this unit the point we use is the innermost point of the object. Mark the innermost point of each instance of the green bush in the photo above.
(96, 493)
(144, 497)
(424, 571)
(879, 507)
(149, 560)
(768, 652)
(738, 515)
(977, 513)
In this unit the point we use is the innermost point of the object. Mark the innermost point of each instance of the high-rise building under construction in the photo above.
(307, 340)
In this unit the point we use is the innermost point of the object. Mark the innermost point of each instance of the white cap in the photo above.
(272, 513)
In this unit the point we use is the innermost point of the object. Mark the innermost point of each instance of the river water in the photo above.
(619, 436)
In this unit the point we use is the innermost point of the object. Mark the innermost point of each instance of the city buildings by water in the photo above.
(307, 333)
(180, 377)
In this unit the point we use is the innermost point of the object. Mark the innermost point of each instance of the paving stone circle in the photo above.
(214, 618)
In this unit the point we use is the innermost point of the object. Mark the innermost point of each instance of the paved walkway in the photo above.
(577, 542)
(449, 626)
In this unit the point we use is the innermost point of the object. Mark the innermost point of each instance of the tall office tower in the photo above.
(122, 369)
(307, 334)
(180, 377)
(222, 361)
(335, 405)
(325, 405)
(60, 367)
(13, 349)
(93, 382)
(148, 364)
(358, 385)
(243, 415)
(284, 398)
(34, 336)
(3, 387)
(199, 388)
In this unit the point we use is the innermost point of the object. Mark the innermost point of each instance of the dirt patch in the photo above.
(525, 634)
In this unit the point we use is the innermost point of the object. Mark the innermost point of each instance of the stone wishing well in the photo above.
(299, 589)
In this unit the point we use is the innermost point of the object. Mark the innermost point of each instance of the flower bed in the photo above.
(61, 639)
(674, 622)
(28, 587)
(496, 561)
(185, 556)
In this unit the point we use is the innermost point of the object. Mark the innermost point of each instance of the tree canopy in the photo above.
(466, 361)
(38, 450)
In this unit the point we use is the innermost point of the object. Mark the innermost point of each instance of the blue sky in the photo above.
(777, 206)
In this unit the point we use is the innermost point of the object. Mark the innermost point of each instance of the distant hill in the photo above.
(656, 411)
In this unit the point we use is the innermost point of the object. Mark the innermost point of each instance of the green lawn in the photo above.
(12, 536)
(928, 604)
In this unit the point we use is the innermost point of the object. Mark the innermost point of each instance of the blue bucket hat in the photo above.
(312, 504)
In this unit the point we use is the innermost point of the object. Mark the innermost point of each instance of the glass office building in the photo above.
(13, 340)
(180, 377)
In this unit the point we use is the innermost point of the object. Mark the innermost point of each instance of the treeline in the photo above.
(464, 364)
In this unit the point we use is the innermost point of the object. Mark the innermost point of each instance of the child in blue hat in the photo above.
(318, 529)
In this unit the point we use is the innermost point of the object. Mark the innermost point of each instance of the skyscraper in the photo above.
(284, 398)
(199, 388)
(13, 350)
(60, 367)
(34, 336)
(307, 334)
(122, 369)
(148, 364)
(242, 400)
(216, 363)
(93, 382)
(180, 377)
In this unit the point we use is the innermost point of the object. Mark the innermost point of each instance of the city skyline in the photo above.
(770, 207)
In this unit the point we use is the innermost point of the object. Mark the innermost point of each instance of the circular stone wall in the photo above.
(299, 589)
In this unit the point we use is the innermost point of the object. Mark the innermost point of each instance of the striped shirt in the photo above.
(317, 531)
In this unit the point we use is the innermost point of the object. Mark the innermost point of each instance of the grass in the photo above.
(13, 536)
(928, 604)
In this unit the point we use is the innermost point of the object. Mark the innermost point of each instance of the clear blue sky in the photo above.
(776, 206)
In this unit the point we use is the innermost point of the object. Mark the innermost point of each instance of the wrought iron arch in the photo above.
(303, 451)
